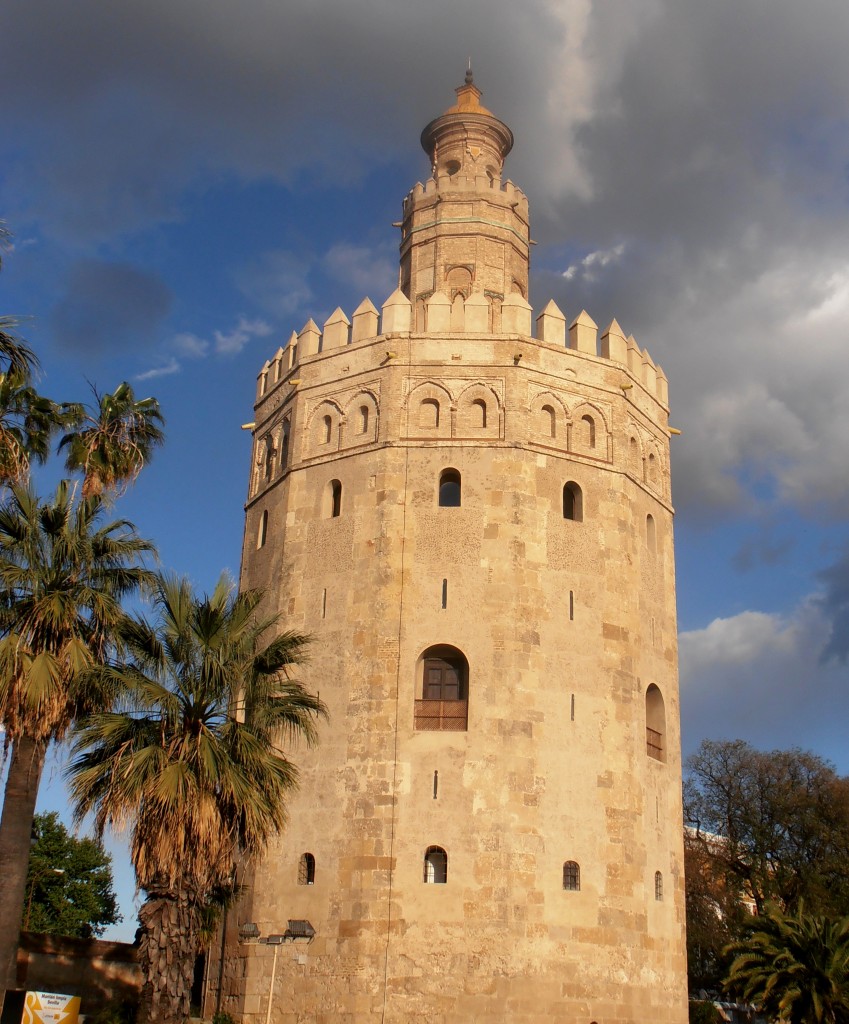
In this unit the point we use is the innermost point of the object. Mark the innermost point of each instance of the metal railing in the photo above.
(654, 744)
(442, 715)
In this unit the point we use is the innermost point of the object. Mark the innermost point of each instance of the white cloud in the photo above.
(593, 261)
(738, 640)
(277, 282)
(232, 342)
(171, 367)
(190, 346)
(761, 677)
(371, 271)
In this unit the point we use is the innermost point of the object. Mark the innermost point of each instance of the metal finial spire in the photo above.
(469, 78)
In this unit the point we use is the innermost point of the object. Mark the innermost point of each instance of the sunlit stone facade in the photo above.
(470, 512)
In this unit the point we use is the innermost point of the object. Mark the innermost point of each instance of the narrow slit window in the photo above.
(327, 424)
(435, 866)
(429, 414)
(548, 421)
(262, 536)
(658, 886)
(571, 605)
(445, 593)
(363, 419)
(335, 499)
(572, 712)
(284, 445)
(435, 784)
(651, 534)
(588, 425)
(479, 413)
(306, 869)
(324, 603)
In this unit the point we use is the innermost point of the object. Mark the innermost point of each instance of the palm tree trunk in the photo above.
(25, 769)
(167, 953)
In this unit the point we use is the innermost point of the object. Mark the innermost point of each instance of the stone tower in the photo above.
(473, 520)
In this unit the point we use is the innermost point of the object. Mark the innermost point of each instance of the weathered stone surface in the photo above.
(565, 621)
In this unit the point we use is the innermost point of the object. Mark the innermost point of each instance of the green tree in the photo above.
(63, 575)
(783, 820)
(69, 883)
(193, 763)
(114, 441)
(794, 968)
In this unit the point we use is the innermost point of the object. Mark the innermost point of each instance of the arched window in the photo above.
(327, 425)
(658, 886)
(571, 876)
(306, 869)
(655, 724)
(651, 534)
(429, 414)
(479, 413)
(444, 704)
(335, 499)
(449, 488)
(588, 425)
(284, 444)
(548, 421)
(435, 866)
(573, 502)
(651, 472)
(363, 419)
(262, 535)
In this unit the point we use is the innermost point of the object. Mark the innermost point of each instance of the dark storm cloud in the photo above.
(108, 307)
(705, 143)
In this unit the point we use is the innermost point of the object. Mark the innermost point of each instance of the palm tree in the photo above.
(192, 762)
(794, 967)
(27, 422)
(63, 575)
(114, 441)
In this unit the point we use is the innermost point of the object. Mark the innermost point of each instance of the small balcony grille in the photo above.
(654, 744)
(442, 715)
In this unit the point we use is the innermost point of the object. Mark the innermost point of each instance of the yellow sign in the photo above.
(50, 1008)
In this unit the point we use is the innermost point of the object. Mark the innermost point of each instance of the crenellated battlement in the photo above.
(468, 183)
(474, 316)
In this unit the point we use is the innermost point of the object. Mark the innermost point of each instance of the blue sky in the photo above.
(188, 182)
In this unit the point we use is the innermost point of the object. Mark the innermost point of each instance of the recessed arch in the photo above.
(548, 421)
(323, 427)
(428, 410)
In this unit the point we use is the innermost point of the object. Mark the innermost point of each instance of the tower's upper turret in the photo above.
(467, 139)
(465, 232)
